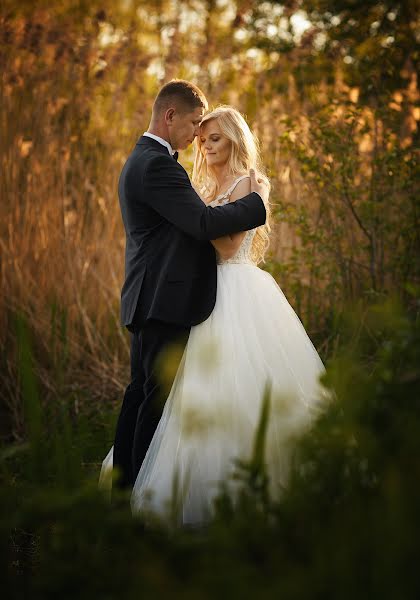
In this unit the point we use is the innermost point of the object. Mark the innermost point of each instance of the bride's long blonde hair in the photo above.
(244, 155)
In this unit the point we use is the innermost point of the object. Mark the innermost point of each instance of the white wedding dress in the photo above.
(252, 338)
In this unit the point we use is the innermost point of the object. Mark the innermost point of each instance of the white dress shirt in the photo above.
(160, 140)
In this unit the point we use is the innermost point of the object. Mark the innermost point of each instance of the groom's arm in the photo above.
(169, 192)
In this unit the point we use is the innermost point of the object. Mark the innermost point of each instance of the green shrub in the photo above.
(345, 528)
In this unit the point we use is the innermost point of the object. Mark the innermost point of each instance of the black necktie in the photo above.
(175, 155)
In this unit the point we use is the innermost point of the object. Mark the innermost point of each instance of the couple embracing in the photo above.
(192, 280)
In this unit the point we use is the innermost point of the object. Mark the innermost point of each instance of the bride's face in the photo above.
(214, 144)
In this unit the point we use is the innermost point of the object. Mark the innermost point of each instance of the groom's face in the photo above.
(184, 127)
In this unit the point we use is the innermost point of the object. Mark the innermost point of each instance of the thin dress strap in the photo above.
(232, 187)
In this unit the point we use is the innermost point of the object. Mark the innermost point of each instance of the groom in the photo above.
(170, 266)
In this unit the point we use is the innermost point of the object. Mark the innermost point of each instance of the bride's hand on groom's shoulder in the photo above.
(259, 185)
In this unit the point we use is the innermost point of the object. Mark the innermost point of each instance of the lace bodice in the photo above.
(243, 254)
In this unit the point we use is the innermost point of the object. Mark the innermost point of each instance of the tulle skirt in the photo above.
(253, 344)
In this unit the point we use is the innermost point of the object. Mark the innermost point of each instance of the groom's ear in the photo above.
(169, 115)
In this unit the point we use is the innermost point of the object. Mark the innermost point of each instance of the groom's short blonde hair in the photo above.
(179, 93)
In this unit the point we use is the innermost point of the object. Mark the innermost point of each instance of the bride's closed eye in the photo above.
(212, 139)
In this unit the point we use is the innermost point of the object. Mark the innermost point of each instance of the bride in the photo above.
(252, 339)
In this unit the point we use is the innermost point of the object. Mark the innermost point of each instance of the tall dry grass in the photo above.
(61, 235)
(76, 90)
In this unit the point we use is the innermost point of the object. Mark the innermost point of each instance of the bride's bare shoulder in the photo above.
(241, 189)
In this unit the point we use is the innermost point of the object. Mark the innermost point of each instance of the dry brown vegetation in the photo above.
(76, 91)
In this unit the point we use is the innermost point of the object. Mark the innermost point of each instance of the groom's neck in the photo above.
(159, 130)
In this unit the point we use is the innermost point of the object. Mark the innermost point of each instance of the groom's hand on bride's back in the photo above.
(259, 185)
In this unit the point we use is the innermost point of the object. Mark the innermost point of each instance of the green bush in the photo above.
(346, 527)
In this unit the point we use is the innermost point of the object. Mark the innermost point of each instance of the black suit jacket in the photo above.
(170, 266)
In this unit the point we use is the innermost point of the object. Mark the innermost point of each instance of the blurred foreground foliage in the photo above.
(347, 526)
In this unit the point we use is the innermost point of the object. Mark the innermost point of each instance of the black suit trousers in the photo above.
(151, 345)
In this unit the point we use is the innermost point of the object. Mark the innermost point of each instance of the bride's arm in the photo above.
(228, 245)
